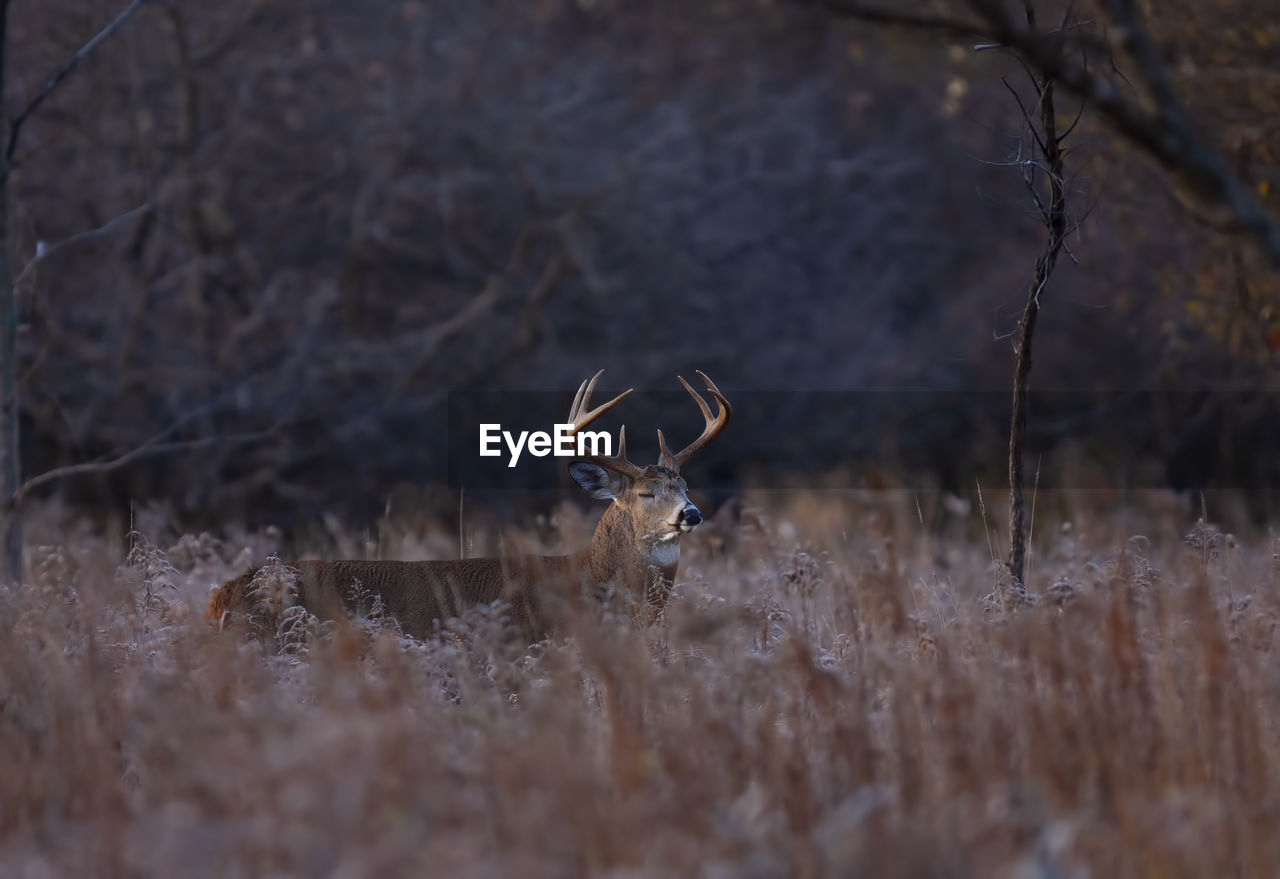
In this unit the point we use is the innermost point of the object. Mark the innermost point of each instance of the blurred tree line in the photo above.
(289, 230)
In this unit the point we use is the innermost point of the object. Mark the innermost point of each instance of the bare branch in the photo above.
(1026, 114)
(57, 78)
(1134, 39)
(1165, 133)
(950, 27)
(149, 449)
(44, 250)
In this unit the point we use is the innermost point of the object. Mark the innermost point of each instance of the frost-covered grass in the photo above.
(839, 689)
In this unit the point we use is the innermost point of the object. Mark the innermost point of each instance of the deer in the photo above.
(631, 560)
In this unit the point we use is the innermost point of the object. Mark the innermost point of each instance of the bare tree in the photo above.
(361, 205)
(10, 465)
(1045, 164)
(1134, 95)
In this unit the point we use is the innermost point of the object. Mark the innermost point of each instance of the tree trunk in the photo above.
(1055, 217)
(11, 540)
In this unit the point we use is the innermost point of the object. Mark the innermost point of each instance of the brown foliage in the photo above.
(832, 702)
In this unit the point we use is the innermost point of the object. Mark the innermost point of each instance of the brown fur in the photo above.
(417, 594)
(632, 557)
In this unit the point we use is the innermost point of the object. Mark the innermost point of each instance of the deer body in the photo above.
(633, 555)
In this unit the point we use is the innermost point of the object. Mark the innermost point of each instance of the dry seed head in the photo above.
(273, 590)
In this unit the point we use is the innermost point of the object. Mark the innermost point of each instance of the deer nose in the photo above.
(690, 516)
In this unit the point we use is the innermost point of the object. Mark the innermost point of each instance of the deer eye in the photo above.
(645, 494)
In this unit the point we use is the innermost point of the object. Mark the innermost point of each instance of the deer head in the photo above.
(650, 509)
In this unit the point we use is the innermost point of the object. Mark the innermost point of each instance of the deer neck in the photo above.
(620, 555)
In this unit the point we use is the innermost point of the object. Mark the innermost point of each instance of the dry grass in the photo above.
(830, 695)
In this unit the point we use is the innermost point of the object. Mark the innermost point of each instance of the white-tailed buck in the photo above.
(632, 556)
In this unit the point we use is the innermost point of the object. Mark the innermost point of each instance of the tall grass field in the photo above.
(842, 686)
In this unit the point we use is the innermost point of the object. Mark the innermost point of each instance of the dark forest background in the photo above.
(317, 221)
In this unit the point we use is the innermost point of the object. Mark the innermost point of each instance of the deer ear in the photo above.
(597, 481)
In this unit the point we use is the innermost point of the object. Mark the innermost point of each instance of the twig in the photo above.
(1026, 114)
(56, 79)
(1031, 525)
(146, 450)
(982, 507)
(44, 251)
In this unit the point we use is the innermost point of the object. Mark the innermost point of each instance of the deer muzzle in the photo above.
(689, 518)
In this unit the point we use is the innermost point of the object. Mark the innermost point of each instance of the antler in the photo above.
(714, 424)
(580, 417)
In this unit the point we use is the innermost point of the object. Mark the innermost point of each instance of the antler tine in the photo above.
(577, 400)
(579, 419)
(582, 398)
(714, 423)
(697, 398)
(664, 455)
